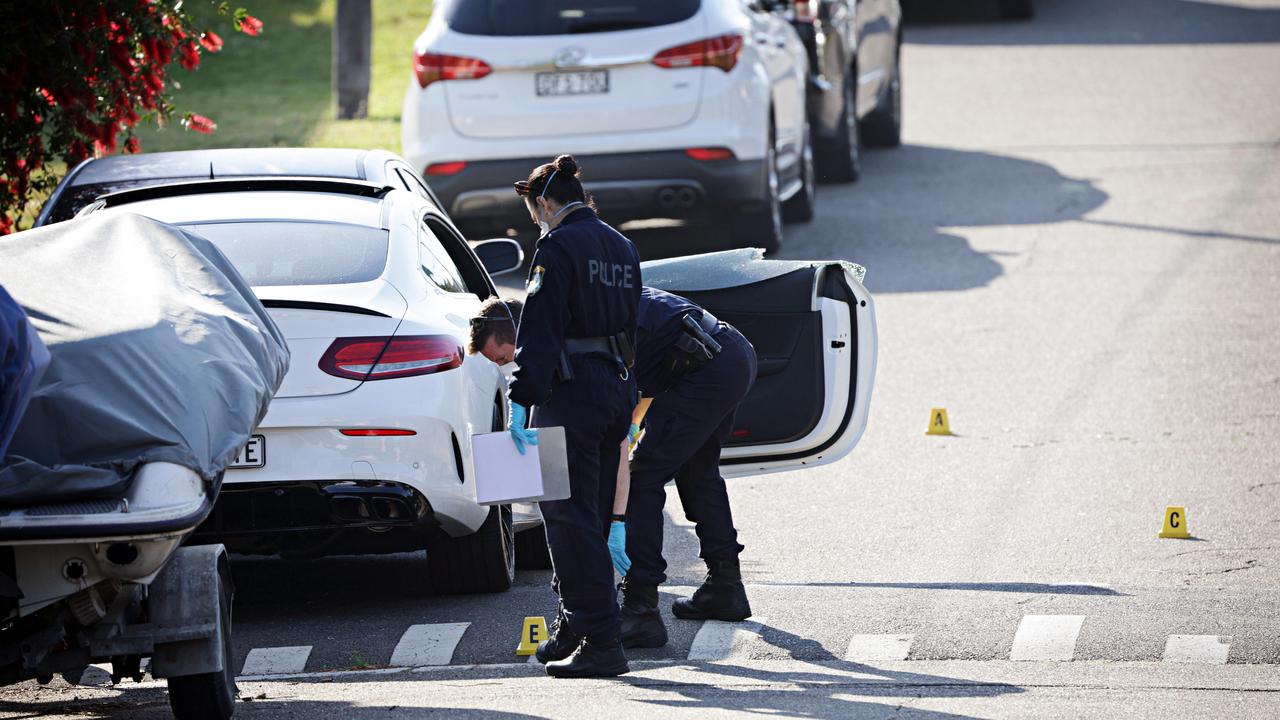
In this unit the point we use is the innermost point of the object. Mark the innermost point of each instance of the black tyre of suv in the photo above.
(762, 226)
(482, 562)
(1016, 9)
(883, 127)
(799, 207)
(842, 160)
(210, 696)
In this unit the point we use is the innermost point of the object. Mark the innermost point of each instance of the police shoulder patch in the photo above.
(535, 280)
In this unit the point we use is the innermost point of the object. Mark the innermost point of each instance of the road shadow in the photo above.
(1009, 587)
(824, 691)
(1091, 22)
(900, 221)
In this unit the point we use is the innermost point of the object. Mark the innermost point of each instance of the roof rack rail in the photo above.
(341, 186)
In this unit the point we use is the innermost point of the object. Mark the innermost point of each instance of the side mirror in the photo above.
(499, 256)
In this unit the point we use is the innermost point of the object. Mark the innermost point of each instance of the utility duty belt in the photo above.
(695, 346)
(613, 347)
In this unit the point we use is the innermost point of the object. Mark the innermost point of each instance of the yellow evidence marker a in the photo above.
(1175, 523)
(938, 424)
(534, 632)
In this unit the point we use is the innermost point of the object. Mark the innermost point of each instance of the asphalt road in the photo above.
(1076, 251)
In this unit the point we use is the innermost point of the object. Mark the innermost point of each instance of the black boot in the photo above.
(642, 625)
(562, 642)
(721, 597)
(592, 659)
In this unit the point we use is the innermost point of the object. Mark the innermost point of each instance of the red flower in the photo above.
(131, 146)
(188, 56)
(199, 123)
(251, 26)
(211, 42)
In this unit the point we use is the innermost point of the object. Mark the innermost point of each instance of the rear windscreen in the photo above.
(299, 253)
(563, 17)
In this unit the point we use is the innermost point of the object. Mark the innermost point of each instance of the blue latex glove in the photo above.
(618, 546)
(517, 418)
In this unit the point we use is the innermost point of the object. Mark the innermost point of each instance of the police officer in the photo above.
(574, 348)
(697, 370)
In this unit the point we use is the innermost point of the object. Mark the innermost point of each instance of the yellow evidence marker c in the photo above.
(938, 424)
(1175, 523)
(534, 632)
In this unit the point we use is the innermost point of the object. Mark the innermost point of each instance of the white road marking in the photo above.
(718, 640)
(1210, 649)
(1046, 637)
(276, 660)
(878, 648)
(428, 644)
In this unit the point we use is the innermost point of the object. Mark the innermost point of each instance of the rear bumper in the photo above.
(626, 186)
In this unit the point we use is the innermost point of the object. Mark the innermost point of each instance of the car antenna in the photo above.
(210, 171)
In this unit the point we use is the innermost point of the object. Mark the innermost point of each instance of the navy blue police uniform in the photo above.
(583, 292)
(694, 402)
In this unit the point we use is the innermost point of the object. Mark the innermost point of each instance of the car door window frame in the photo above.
(458, 256)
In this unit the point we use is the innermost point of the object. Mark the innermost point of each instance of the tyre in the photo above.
(762, 227)
(1016, 9)
(532, 552)
(482, 562)
(799, 207)
(883, 127)
(842, 161)
(210, 696)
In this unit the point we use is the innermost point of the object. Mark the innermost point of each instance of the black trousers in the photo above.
(595, 410)
(684, 430)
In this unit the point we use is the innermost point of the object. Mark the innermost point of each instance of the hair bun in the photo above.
(566, 164)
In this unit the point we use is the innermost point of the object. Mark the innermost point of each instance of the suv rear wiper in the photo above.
(594, 26)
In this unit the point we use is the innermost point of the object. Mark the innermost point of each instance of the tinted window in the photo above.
(299, 253)
(436, 264)
(563, 17)
(77, 196)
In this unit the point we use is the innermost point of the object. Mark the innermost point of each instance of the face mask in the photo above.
(543, 224)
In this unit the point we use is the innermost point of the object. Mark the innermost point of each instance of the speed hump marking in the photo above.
(938, 423)
(1175, 523)
(534, 632)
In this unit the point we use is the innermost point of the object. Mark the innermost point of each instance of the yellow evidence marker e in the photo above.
(1175, 523)
(534, 632)
(938, 424)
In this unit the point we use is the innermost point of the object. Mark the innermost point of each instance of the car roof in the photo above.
(317, 162)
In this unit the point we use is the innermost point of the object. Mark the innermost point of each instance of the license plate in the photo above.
(252, 455)
(584, 82)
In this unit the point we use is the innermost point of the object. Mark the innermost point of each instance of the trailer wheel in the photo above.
(210, 696)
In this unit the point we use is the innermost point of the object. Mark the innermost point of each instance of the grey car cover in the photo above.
(160, 353)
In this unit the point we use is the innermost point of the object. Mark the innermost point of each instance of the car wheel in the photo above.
(1015, 9)
(209, 696)
(532, 552)
(482, 562)
(883, 128)
(799, 208)
(762, 227)
(843, 161)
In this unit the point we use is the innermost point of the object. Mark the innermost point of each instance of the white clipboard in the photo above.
(504, 476)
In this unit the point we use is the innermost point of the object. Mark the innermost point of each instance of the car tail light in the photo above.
(383, 358)
(802, 11)
(376, 432)
(721, 51)
(446, 168)
(715, 153)
(430, 67)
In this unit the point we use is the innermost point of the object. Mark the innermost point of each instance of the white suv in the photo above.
(680, 109)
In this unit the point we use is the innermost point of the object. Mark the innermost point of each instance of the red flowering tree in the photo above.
(77, 76)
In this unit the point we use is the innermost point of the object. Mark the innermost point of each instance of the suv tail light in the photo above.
(721, 51)
(430, 67)
(383, 358)
(713, 153)
(802, 11)
(446, 168)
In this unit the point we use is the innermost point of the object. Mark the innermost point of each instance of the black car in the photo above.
(855, 82)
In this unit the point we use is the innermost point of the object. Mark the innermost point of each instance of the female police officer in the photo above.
(573, 351)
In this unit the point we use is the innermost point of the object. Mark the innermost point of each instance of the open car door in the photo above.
(813, 326)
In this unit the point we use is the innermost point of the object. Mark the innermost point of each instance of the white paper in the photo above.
(503, 475)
